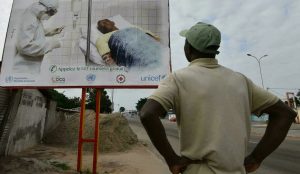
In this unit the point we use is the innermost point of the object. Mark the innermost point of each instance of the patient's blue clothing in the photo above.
(132, 47)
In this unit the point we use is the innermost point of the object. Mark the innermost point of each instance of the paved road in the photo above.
(285, 160)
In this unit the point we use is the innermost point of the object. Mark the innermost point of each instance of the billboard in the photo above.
(46, 44)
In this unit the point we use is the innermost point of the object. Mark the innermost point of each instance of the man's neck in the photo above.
(200, 57)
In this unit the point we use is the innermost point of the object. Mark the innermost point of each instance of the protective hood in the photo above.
(50, 3)
(38, 10)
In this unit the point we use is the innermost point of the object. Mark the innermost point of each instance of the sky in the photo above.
(269, 27)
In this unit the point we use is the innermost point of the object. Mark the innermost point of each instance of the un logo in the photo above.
(91, 77)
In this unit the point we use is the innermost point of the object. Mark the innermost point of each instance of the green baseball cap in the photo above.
(201, 36)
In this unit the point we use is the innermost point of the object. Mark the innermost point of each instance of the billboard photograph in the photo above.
(47, 43)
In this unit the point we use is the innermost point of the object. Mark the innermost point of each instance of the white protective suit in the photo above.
(32, 43)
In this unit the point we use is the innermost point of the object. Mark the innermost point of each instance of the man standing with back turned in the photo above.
(213, 105)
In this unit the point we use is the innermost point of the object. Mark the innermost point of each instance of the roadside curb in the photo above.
(259, 129)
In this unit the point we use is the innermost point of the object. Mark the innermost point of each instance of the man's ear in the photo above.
(187, 48)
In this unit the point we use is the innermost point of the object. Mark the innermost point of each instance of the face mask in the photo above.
(45, 16)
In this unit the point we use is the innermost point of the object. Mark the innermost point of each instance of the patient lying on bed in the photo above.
(129, 47)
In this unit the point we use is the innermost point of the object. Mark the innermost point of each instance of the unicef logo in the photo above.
(91, 77)
(9, 79)
(153, 78)
(53, 68)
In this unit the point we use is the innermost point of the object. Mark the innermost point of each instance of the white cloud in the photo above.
(256, 27)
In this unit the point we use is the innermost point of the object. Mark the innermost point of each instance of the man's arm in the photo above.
(149, 116)
(52, 32)
(280, 119)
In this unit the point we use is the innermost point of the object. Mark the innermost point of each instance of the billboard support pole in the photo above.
(95, 140)
(81, 128)
(83, 98)
(95, 157)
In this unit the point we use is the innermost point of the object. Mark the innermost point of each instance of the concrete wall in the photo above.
(53, 118)
(28, 126)
(13, 104)
(31, 116)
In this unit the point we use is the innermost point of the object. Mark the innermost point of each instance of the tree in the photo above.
(297, 101)
(140, 104)
(62, 100)
(122, 109)
(105, 103)
(76, 101)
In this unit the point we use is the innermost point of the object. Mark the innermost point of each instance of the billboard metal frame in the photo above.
(87, 55)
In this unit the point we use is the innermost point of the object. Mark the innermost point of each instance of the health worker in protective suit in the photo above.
(32, 39)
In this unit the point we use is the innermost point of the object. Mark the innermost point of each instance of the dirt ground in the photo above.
(43, 159)
(133, 158)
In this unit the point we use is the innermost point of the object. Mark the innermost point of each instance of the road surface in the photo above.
(285, 160)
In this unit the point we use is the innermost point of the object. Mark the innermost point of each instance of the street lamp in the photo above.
(258, 61)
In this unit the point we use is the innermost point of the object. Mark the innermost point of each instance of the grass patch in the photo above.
(62, 166)
(87, 171)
